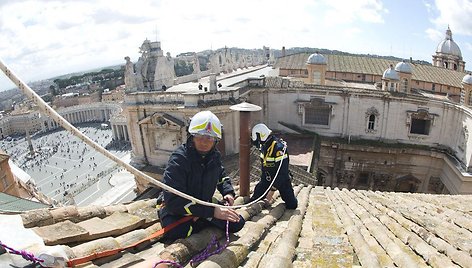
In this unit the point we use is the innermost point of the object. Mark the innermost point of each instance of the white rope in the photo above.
(47, 110)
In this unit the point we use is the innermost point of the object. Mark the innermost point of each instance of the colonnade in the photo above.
(79, 116)
(120, 132)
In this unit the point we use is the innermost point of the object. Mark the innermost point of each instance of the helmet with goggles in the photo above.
(205, 123)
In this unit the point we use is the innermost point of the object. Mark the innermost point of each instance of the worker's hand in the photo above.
(229, 198)
(226, 214)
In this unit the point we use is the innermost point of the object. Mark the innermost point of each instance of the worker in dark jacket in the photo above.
(273, 153)
(195, 168)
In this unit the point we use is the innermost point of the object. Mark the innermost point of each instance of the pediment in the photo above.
(163, 120)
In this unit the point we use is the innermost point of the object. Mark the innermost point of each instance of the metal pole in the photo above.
(245, 110)
(244, 153)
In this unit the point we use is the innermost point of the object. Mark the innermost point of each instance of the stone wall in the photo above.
(284, 108)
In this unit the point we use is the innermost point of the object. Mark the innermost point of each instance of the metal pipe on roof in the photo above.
(245, 110)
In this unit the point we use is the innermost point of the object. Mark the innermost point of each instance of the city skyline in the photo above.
(44, 39)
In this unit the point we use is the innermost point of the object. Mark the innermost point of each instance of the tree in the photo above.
(52, 90)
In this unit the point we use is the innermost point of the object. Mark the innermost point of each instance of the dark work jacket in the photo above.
(190, 173)
(271, 153)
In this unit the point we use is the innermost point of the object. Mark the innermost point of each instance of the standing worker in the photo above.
(195, 168)
(273, 152)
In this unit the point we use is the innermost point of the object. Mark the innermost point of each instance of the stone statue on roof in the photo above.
(130, 75)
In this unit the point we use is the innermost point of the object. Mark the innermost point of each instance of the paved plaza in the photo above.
(71, 172)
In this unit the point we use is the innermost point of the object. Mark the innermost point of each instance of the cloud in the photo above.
(347, 12)
(456, 14)
(434, 35)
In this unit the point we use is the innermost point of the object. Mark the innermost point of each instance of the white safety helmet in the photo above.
(205, 123)
(260, 133)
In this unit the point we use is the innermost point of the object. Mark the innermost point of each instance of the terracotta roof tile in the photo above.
(61, 233)
(330, 228)
(374, 65)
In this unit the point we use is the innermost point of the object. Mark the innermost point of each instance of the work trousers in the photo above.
(284, 187)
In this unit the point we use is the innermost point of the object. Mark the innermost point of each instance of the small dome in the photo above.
(390, 74)
(467, 79)
(403, 67)
(448, 46)
(316, 59)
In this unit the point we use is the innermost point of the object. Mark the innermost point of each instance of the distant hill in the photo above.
(69, 75)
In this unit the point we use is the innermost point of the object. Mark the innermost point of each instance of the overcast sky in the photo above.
(42, 39)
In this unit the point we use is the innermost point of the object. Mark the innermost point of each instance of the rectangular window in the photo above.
(420, 126)
(363, 178)
(317, 115)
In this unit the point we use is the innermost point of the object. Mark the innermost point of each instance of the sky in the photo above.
(44, 38)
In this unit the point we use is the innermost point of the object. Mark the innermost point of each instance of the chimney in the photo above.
(245, 110)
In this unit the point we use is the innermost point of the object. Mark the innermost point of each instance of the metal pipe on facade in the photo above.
(245, 110)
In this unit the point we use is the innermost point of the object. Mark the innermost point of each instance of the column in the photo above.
(121, 132)
(125, 128)
(113, 129)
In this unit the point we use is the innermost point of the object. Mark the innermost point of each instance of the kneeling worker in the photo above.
(195, 168)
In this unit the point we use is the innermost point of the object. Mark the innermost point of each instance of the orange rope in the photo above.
(96, 255)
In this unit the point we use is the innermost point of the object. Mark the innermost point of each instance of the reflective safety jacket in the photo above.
(198, 176)
(272, 153)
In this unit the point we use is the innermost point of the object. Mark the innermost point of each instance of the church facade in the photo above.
(377, 124)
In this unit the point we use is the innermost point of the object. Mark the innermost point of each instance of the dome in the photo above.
(403, 67)
(390, 74)
(316, 59)
(448, 46)
(467, 79)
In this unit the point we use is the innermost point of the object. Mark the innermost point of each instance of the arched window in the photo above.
(371, 124)
(371, 120)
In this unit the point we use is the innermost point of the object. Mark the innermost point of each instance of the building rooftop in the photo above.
(13, 204)
(330, 228)
(376, 66)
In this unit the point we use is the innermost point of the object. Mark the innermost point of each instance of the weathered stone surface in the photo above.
(90, 212)
(96, 246)
(38, 217)
(64, 213)
(115, 208)
(131, 237)
(61, 233)
(124, 222)
(148, 213)
(97, 228)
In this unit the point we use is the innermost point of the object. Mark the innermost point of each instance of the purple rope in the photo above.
(26, 255)
(205, 254)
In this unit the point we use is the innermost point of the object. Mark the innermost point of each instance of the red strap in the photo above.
(96, 255)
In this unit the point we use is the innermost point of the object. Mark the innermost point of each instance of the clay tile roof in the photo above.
(374, 65)
(330, 228)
